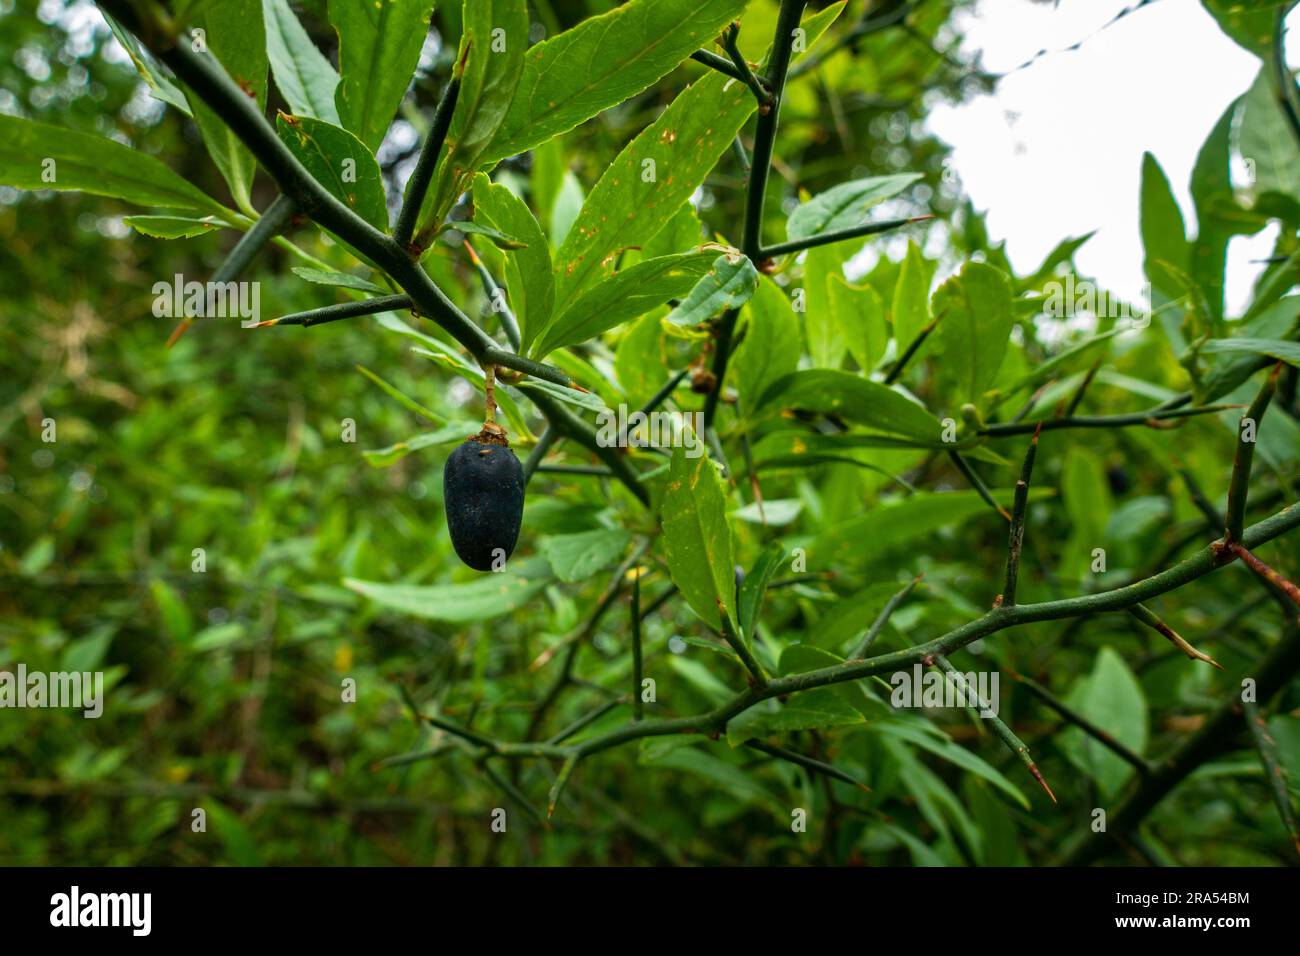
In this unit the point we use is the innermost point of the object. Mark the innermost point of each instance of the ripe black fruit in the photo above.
(483, 495)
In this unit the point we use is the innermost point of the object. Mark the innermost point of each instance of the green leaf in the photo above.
(1164, 236)
(1216, 209)
(904, 520)
(498, 238)
(379, 47)
(1288, 352)
(1086, 493)
(682, 233)
(529, 282)
(859, 313)
(1111, 698)
(728, 285)
(771, 346)
(772, 512)
(576, 557)
(343, 280)
(1277, 321)
(160, 83)
(603, 61)
(1266, 140)
(88, 653)
(588, 400)
(802, 658)
(972, 335)
(340, 162)
(810, 710)
(911, 306)
(844, 206)
(624, 296)
(173, 227)
(384, 457)
(628, 206)
(1248, 22)
(741, 786)
(754, 586)
(697, 538)
(879, 407)
(493, 41)
(918, 735)
(826, 346)
(487, 597)
(239, 843)
(301, 71)
(405, 401)
(31, 153)
(234, 36)
(175, 616)
(850, 617)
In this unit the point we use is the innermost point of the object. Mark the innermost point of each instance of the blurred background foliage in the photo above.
(225, 685)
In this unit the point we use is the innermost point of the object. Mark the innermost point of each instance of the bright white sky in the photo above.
(1057, 150)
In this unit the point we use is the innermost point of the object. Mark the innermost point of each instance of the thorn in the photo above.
(1038, 775)
(178, 332)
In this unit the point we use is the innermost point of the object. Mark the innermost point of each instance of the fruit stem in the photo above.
(489, 376)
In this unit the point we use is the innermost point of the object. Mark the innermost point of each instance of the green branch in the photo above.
(1239, 486)
(343, 310)
(204, 75)
(826, 238)
(787, 22)
(1016, 538)
(1152, 418)
(418, 185)
(999, 619)
(1273, 770)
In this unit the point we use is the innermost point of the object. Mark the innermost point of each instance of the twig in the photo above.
(1083, 723)
(343, 310)
(246, 249)
(719, 63)
(638, 707)
(787, 22)
(1273, 770)
(1147, 617)
(808, 763)
(1153, 418)
(764, 96)
(912, 348)
(509, 321)
(860, 649)
(977, 483)
(981, 709)
(826, 238)
(1016, 541)
(418, 185)
(585, 720)
(740, 645)
(1239, 486)
(544, 445)
(566, 771)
